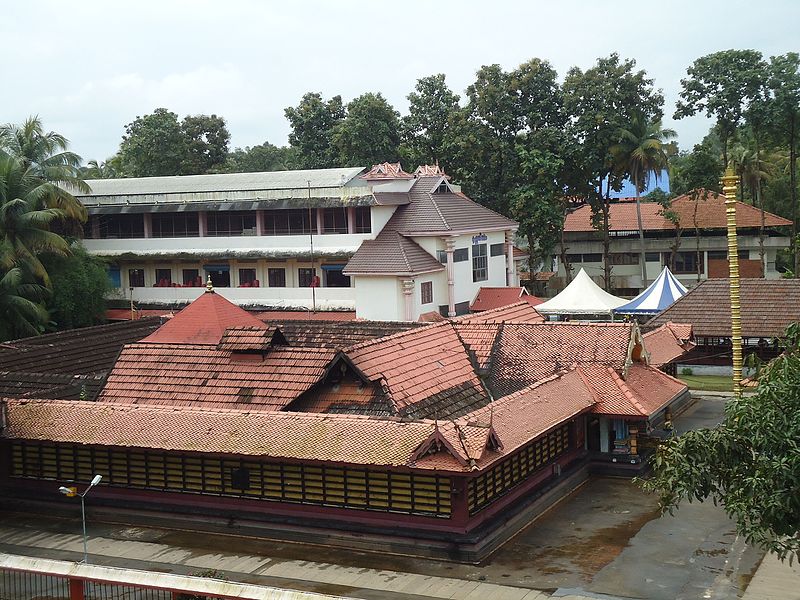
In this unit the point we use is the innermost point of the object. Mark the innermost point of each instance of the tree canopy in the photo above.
(750, 463)
(369, 134)
(312, 122)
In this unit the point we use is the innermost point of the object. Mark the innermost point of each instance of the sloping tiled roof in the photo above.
(479, 339)
(391, 254)
(202, 376)
(710, 215)
(338, 334)
(643, 392)
(49, 385)
(668, 342)
(496, 297)
(426, 371)
(84, 351)
(249, 339)
(204, 321)
(526, 353)
(768, 307)
(386, 170)
(305, 315)
(519, 312)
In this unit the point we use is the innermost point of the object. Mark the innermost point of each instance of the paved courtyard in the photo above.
(606, 538)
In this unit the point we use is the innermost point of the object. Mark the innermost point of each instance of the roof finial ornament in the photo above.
(209, 286)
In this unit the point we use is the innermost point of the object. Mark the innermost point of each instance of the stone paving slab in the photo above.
(774, 580)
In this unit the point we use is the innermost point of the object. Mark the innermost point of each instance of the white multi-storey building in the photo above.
(388, 244)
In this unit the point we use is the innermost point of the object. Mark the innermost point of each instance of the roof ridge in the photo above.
(627, 391)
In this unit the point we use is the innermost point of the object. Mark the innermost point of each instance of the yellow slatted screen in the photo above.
(355, 488)
(502, 478)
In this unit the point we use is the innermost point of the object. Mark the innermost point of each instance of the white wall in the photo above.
(378, 298)
(380, 216)
(288, 298)
(465, 288)
(439, 281)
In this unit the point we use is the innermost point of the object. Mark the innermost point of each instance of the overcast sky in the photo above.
(88, 68)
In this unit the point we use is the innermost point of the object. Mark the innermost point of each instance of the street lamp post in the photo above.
(73, 492)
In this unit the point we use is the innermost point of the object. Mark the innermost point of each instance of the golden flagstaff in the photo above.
(730, 185)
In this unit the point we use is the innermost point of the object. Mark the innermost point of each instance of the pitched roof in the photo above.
(200, 375)
(581, 297)
(425, 371)
(668, 342)
(495, 297)
(527, 353)
(768, 307)
(250, 339)
(305, 315)
(391, 254)
(642, 393)
(519, 312)
(710, 215)
(83, 351)
(204, 321)
(338, 334)
(386, 170)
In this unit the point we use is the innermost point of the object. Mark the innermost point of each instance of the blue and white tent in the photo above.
(658, 296)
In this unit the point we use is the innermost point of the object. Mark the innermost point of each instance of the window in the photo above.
(624, 258)
(163, 277)
(497, 250)
(114, 277)
(461, 255)
(652, 257)
(334, 220)
(593, 258)
(363, 219)
(247, 278)
(276, 277)
(426, 289)
(686, 262)
(480, 264)
(295, 221)
(225, 223)
(191, 278)
(220, 275)
(441, 256)
(307, 277)
(240, 479)
(121, 227)
(723, 254)
(136, 277)
(166, 225)
(334, 276)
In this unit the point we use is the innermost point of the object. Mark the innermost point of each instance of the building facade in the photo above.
(284, 240)
(701, 210)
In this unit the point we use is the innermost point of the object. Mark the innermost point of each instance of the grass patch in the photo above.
(708, 383)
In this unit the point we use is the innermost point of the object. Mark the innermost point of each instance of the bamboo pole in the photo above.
(729, 187)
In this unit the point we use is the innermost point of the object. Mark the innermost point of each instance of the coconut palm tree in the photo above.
(22, 311)
(641, 153)
(25, 219)
(45, 155)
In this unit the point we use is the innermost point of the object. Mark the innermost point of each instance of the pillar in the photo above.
(148, 225)
(633, 440)
(202, 223)
(320, 222)
(259, 222)
(408, 298)
(605, 445)
(351, 219)
(450, 246)
(76, 589)
(95, 227)
(511, 274)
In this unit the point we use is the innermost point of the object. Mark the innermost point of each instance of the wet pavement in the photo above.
(606, 538)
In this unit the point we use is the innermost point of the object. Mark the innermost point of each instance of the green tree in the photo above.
(750, 463)
(699, 169)
(427, 129)
(153, 145)
(601, 101)
(108, 169)
(207, 139)
(784, 81)
(641, 153)
(22, 311)
(312, 122)
(722, 85)
(264, 157)
(80, 284)
(369, 134)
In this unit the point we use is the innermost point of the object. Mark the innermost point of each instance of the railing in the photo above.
(26, 578)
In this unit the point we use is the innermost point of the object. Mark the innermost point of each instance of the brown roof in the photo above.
(386, 170)
(337, 334)
(525, 353)
(84, 351)
(204, 321)
(202, 376)
(768, 307)
(710, 215)
(305, 315)
(495, 297)
(668, 342)
(250, 339)
(392, 252)
(425, 371)
(519, 312)
(642, 393)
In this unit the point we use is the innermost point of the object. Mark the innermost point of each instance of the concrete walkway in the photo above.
(774, 580)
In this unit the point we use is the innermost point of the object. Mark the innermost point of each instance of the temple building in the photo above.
(439, 439)
(387, 244)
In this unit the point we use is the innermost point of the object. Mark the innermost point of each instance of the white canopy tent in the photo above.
(581, 297)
